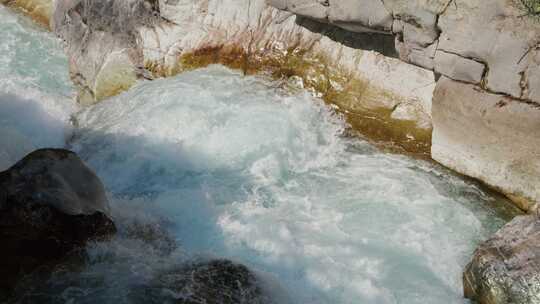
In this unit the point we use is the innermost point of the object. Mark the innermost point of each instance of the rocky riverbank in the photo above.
(112, 44)
(51, 205)
(486, 108)
(466, 70)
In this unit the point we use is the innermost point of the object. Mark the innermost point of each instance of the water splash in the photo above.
(211, 164)
(246, 172)
(35, 90)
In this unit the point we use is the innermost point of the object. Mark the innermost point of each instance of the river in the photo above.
(237, 167)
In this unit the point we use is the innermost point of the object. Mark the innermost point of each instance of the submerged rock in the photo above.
(506, 268)
(217, 281)
(51, 203)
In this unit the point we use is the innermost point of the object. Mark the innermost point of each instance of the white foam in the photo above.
(35, 90)
(235, 168)
(248, 173)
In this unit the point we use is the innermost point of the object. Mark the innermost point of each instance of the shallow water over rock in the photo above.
(213, 164)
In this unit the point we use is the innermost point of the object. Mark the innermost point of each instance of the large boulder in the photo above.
(506, 268)
(491, 137)
(51, 204)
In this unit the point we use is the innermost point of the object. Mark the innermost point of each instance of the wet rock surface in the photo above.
(51, 204)
(216, 281)
(506, 268)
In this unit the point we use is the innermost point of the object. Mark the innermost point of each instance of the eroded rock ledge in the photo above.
(112, 43)
(485, 109)
(489, 44)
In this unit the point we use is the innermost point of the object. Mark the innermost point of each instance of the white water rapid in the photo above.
(233, 167)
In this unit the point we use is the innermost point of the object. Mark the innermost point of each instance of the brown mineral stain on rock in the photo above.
(356, 98)
(39, 10)
(504, 269)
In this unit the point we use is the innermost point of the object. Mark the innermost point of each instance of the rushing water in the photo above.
(233, 167)
(35, 90)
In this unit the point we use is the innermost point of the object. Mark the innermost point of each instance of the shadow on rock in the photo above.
(51, 205)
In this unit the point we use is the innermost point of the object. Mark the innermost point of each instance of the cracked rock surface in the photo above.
(496, 35)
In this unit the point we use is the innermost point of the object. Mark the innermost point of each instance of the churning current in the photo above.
(232, 166)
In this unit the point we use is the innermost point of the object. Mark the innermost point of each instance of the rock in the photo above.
(490, 131)
(459, 68)
(506, 268)
(490, 137)
(217, 281)
(101, 41)
(360, 16)
(498, 36)
(418, 19)
(113, 43)
(50, 205)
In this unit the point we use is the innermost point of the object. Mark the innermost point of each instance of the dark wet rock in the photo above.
(217, 281)
(506, 268)
(51, 204)
(138, 220)
(153, 234)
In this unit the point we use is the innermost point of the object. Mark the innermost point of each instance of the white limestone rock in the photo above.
(102, 44)
(360, 16)
(261, 28)
(459, 68)
(497, 34)
(317, 9)
(490, 137)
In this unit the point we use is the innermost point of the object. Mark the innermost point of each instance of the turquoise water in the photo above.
(234, 167)
(35, 91)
